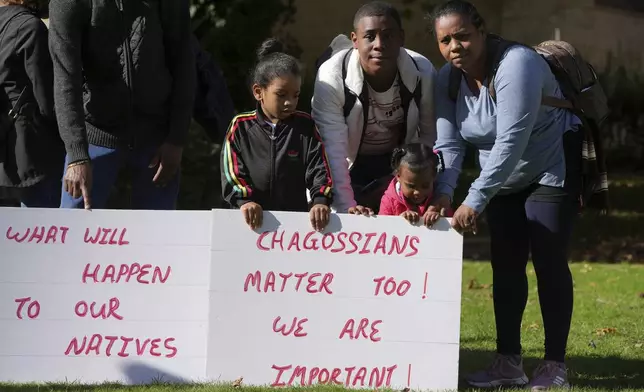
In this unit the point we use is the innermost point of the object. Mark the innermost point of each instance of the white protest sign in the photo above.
(371, 302)
(103, 295)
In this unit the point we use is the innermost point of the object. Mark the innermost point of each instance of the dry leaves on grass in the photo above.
(475, 285)
(605, 331)
(238, 383)
(533, 326)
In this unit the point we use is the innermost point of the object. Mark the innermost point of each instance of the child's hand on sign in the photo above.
(253, 214)
(319, 216)
(410, 216)
(431, 216)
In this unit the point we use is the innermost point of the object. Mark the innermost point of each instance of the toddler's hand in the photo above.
(360, 210)
(431, 216)
(410, 216)
(319, 216)
(253, 214)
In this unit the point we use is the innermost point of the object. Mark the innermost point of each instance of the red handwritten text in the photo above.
(39, 234)
(106, 236)
(360, 331)
(125, 272)
(33, 309)
(313, 282)
(82, 309)
(391, 286)
(296, 327)
(342, 242)
(121, 346)
(349, 376)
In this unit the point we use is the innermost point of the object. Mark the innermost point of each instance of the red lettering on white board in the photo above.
(135, 272)
(102, 345)
(352, 376)
(272, 282)
(342, 242)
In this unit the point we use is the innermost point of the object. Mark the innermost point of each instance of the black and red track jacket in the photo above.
(274, 167)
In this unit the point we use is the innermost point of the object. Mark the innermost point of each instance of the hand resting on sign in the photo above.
(253, 213)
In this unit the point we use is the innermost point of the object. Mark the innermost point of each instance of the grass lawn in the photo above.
(606, 345)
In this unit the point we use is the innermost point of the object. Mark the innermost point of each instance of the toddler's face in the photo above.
(416, 187)
(279, 99)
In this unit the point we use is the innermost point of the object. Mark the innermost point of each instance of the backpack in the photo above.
(342, 42)
(213, 107)
(584, 96)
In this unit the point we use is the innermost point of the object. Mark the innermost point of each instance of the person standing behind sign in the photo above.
(527, 185)
(125, 78)
(31, 151)
(272, 155)
(370, 98)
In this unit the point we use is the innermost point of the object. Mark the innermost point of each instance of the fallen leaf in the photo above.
(237, 383)
(605, 331)
(475, 285)
(534, 326)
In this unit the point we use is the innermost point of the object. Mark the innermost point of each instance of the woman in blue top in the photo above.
(527, 186)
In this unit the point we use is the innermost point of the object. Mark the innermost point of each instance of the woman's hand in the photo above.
(464, 219)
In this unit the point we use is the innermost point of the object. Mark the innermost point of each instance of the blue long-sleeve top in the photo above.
(519, 140)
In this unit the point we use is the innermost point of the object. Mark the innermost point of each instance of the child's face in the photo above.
(279, 99)
(416, 187)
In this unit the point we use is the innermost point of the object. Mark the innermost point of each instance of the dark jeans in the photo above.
(370, 177)
(106, 165)
(44, 194)
(537, 220)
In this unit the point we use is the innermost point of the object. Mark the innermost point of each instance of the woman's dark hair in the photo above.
(417, 157)
(273, 63)
(458, 7)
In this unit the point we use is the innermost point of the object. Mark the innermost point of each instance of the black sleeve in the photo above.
(236, 186)
(67, 19)
(32, 48)
(318, 174)
(175, 19)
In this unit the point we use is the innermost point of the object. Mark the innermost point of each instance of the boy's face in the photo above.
(279, 99)
(378, 40)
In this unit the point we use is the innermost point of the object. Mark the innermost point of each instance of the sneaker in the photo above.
(506, 370)
(549, 375)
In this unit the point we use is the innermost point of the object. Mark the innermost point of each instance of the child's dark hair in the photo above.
(377, 8)
(417, 157)
(456, 7)
(273, 63)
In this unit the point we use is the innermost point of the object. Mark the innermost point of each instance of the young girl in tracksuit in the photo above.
(272, 155)
(411, 190)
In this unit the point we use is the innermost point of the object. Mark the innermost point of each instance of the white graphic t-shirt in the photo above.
(385, 121)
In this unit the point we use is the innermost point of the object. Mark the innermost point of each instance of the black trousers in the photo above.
(538, 220)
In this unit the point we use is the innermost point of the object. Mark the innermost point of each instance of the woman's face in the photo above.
(460, 43)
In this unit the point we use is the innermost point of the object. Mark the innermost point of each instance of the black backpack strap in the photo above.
(454, 84)
(349, 97)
